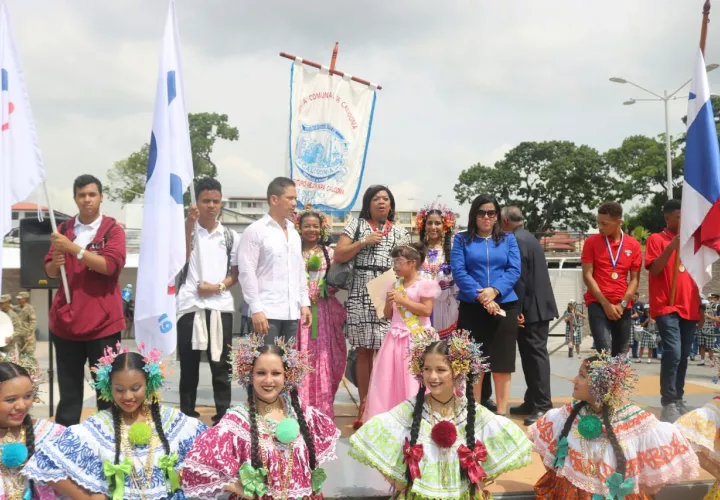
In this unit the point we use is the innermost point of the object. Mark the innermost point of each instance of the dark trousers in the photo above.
(486, 392)
(190, 365)
(613, 336)
(532, 344)
(677, 336)
(70, 358)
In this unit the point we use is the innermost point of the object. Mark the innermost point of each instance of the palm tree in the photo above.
(641, 234)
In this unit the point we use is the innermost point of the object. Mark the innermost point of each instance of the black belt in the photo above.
(376, 269)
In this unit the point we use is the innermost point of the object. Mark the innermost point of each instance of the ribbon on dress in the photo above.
(412, 456)
(618, 489)
(316, 291)
(318, 477)
(561, 453)
(253, 480)
(412, 322)
(470, 461)
(167, 466)
(118, 473)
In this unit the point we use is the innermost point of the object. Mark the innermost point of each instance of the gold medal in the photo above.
(614, 275)
(681, 268)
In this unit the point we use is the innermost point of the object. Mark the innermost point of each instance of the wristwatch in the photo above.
(221, 288)
(81, 254)
(623, 303)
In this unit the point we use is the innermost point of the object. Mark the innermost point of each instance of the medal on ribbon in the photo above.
(615, 258)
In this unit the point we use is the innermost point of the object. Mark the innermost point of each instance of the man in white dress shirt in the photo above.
(205, 305)
(271, 267)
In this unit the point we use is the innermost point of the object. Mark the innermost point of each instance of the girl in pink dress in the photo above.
(410, 304)
(325, 338)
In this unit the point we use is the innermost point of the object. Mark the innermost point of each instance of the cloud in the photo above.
(463, 81)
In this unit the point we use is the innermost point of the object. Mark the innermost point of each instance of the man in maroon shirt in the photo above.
(611, 263)
(92, 247)
(676, 322)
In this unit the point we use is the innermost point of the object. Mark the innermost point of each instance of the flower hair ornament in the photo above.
(464, 355)
(448, 217)
(154, 367)
(612, 379)
(242, 359)
(30, 364)
(324, 221)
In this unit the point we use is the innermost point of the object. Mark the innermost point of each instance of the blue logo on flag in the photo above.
(321, 152)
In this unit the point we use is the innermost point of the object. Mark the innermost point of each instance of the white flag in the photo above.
(170, 172)
(21, 164)
(330, 123)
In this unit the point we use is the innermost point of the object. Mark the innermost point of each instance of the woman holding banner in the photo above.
(325, 337)
(369, 240)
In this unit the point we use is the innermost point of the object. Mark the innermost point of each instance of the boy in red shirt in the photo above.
(92, 248)
(608, 260)
(677, 322)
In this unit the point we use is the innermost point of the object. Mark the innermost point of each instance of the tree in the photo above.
(555, 184)
(127, 176)
(641, 234)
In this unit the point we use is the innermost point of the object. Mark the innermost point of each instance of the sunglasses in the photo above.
(489, 213)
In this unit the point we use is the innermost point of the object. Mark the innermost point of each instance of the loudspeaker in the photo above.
(34, 245)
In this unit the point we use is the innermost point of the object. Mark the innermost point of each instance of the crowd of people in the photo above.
(461, 306)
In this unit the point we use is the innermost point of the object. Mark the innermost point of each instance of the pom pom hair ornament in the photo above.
(242, 359)
(448, 217)
(464, 355)
(324, 222)
(612, 379)
(14, 455)
(154, 367)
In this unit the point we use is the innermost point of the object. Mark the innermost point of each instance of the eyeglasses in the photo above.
(482, 213)
(398, 262)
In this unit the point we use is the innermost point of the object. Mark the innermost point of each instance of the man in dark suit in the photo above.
(537, 306)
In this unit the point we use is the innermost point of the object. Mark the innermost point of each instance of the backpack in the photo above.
(227, 234)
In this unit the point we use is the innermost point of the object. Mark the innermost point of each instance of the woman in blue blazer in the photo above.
(486, 265)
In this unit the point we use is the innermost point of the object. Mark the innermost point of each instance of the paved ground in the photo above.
(347, 479)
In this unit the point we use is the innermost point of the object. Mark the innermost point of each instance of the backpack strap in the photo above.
(229, 240)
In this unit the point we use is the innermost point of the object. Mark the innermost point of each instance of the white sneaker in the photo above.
(649, 361)
(701, 363)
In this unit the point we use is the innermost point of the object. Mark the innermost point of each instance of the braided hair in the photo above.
(134, 361)
(415, 428)
(470, 428)
(255, 459)
(612, 437)
(9, 371)
(447, 239)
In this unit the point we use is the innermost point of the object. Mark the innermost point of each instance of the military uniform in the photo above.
(17, 335)
(28, 321)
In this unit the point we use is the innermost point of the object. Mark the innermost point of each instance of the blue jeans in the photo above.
(635, 346)
(677, 337)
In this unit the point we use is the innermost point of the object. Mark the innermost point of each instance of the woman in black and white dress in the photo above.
(370, 244)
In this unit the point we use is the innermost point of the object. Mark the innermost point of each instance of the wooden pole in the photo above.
(703, 38)
(333, 59)
(315, 65)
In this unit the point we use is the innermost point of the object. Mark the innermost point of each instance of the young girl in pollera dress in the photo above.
(409, 304)
(602, 447)
(442, 445)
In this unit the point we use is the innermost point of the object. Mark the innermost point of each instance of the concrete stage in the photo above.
(348, 479)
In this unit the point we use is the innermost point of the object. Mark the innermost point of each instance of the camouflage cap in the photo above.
(5, 298)
(23, 295)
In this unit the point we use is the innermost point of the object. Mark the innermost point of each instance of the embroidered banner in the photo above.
(330, 123)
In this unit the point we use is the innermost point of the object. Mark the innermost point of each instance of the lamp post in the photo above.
(665, 98)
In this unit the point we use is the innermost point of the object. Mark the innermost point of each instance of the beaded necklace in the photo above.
(13, 480)
(140, 482)
(386, 228)
(445, 453)
(433, 268)
(267, 444)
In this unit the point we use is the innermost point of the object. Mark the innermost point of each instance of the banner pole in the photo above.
(53, 224)
(196, 238)
(333, 59)
(315, 65)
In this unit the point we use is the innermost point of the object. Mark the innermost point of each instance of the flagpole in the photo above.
(703, 39)
(196, 238)
(53, 224)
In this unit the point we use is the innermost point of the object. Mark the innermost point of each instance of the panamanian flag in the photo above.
(700, 220)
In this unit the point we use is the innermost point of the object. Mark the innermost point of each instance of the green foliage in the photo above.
(555, 184)
(641, 234)
(127, 176)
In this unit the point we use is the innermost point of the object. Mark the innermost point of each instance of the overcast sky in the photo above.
(463, 81)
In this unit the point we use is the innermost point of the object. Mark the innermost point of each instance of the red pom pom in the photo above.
(444, 434)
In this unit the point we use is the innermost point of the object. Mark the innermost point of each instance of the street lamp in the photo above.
(665, 98)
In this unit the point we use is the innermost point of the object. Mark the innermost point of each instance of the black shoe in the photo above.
(192, 414)
(533, 417)
(522, 409)
(490, 405)
(670, 413)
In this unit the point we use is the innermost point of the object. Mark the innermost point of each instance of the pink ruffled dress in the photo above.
(391, 382)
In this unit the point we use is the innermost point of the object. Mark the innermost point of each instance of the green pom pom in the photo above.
(314, 263)
(590, 427)
(287, 430)
(140, 433)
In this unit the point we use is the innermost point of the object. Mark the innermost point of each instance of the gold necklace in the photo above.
(445, 409)
(309, 253)
(131, 452)
(13, 480)
(268, 443)
(445, 453)
(266, 407)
